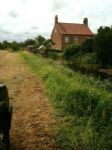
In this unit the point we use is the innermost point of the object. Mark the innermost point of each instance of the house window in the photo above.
(66, 39)
(76, 39)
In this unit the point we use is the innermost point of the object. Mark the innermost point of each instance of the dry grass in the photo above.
(32, 114)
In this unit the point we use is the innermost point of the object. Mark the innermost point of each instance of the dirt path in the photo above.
(32, 114)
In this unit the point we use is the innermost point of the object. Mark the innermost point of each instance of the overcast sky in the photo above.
(22, 19)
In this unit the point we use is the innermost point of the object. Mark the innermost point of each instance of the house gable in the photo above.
(56, 38)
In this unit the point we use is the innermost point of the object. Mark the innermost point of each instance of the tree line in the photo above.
(35, 43)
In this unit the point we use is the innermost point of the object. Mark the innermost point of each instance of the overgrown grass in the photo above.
(87, 59)
(83, 106)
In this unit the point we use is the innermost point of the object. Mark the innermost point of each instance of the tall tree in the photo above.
(40, 40)
(29, 42)
(15, 46)
(47, 43)
(1, 46)
(103, 42)
(5, 44)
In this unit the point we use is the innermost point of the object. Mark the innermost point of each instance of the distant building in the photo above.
(64, 34)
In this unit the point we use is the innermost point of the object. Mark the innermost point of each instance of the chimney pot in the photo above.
(85, 21)
(56, 19)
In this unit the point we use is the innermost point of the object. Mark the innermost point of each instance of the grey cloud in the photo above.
(25, 33)
(46, 34)
(18, 36)
(23, 36)
(13, 14)
(4, 31)
(25, 1)
(3, 37)
(34, 28)
(57, 4)
(63, 4)
(79, 15)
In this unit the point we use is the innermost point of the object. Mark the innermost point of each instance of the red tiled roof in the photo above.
(72, 28)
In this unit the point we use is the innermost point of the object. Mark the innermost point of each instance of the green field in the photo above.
(82, 105)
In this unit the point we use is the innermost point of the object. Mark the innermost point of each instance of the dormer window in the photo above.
(66, 39)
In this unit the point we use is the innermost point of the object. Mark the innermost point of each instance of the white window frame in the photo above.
(66, 39)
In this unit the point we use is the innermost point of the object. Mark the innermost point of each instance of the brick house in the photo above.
(64, 34)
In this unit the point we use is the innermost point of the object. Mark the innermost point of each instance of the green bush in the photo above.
(103, 44)
(71, 51)
(87, 46)
(15, 46)
(86, 59)
(52, 55)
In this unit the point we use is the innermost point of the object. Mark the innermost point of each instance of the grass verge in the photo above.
(83, 105)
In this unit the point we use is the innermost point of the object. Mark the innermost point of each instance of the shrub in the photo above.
(52, 55)
(103, 43)
(15, 46)
(87, 46)
(86, 59)
(71, 51)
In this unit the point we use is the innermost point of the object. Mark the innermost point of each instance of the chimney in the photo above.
(85, 21)
(56, 19)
